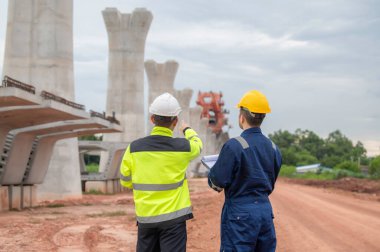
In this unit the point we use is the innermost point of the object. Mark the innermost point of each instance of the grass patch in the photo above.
(57, 212)
(107, 214)
(55, 205)
(86, 204)
(94, 192)
(287, 171)
(92, 168)
(290, 172)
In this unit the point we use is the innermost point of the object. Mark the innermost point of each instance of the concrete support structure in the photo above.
(109, 186)
(24, 116)
(11, 96)
(39, 45)
(108, 180)
(125, 95)
(4, 198)
(29, 128)
(184, 97)
(17, 197)
(46, 142)
(26, 141)
(115, 150)
(161, 78)
(39, 50)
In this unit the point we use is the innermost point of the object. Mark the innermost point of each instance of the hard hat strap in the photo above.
(164, 118)
(253, 115)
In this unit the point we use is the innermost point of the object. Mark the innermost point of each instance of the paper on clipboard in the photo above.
(209, 161)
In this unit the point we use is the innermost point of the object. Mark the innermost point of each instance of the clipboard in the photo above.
(209, 161)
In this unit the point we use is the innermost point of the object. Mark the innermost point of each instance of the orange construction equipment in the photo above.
(212, 105)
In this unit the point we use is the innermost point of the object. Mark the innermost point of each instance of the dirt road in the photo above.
(307, 219)
(314, 219)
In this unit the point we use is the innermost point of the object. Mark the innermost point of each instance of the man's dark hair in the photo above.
(163, 121)
(253, 119)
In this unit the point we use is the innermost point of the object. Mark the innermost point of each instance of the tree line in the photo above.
(305, 147)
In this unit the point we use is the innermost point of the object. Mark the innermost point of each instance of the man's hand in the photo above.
(183, 126)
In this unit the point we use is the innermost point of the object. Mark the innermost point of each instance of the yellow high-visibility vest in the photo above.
(155, 168)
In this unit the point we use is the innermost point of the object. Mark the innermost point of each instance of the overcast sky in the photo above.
(318, 63)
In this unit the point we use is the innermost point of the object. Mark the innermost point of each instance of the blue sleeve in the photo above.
(277, 162)
(221, 174)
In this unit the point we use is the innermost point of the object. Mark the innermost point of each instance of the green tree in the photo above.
(304, 157)
(374, 167)
(283, 139)
(289, 156)
(306, 147)
(311, 142)
(359, 151)
(337, 149)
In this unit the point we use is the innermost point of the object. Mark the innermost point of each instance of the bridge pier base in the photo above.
(17, 197)
(4, 199)
(110, 186)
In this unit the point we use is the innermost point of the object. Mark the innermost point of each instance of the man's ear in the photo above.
(175, 121)
(152, 119)
(241, 118)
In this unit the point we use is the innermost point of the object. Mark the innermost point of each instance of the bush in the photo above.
(374, 167)
(347, 165)
(304, 158)
(287, 171)
(330, 174)
(341, 173)
(324, 175)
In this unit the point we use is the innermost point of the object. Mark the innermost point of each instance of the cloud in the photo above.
(221, 35)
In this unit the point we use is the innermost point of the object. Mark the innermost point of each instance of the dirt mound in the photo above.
(362, 186)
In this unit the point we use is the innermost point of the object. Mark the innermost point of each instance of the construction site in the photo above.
(50, 202)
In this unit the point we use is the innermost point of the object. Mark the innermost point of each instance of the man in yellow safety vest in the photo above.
(155, 168)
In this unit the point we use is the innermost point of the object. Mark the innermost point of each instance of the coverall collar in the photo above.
(251, 130)
(161, 131)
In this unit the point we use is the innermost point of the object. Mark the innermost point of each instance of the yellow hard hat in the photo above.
(255, 102)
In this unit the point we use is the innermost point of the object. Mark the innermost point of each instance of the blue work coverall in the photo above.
(247, 169)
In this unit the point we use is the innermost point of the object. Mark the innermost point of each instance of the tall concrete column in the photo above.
(200, 126)
(17, 53)
(125, 95)
(161, 78)
(39, 45)
(39, 51)
(184, 97)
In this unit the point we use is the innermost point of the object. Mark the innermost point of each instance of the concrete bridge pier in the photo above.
(184, 97)
(161, 78)
(127, 33)
(200, 126)
(39, 50)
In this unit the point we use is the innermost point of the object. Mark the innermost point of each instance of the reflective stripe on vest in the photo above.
(242, 141)
(157, 187)
(165, 217)
(192, 137)
(125, 178)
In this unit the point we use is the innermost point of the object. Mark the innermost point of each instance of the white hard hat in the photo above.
(165, 105)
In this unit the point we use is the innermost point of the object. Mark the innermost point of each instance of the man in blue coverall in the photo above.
(247, 169)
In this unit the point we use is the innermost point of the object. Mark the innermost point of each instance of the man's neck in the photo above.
(247, 126)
